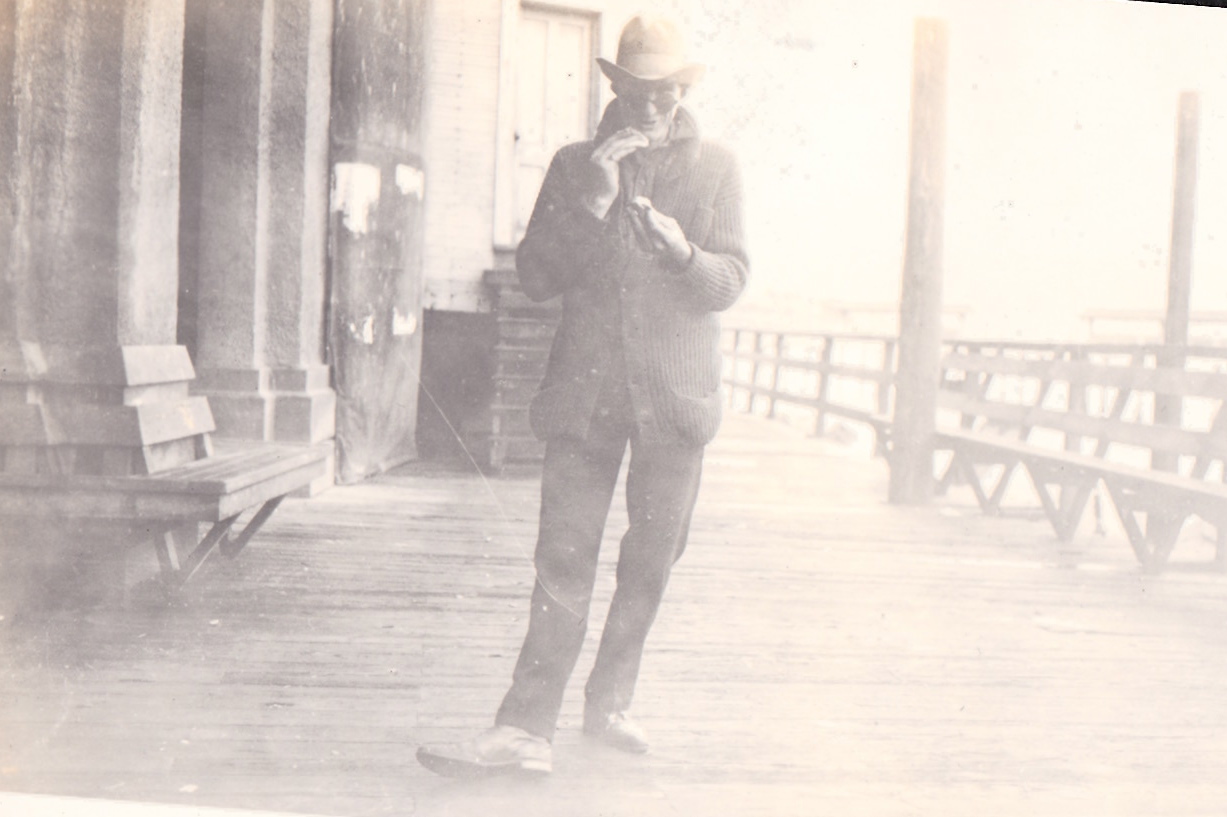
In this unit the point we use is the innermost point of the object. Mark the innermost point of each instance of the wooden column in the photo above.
(92, 382)
(920, 309)
(254, 226)
(90, 147)
(378, 187)
(1184, 201)
(1168, 408)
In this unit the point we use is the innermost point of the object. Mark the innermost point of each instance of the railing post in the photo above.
(758, 351)
(775, 373)
(1169, 407)
(824, 384)
(735, 362)
(1075, 402)
(888, 376)
(1220, 550)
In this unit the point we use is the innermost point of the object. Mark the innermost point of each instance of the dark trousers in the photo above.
(577, 487)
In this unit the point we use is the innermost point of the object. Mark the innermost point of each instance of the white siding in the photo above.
(461, 115)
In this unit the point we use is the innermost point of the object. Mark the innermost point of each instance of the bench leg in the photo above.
(881, 441)
(1064, 519)
(1154, 544)
(963, 465)
(1074, 499)
(168, 553)
(1124, 511)
(949, 475)
(230, 548)
(1162, 531)
(1003, 485)
(968, 468)
(175, 574)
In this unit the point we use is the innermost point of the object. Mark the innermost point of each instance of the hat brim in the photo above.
(686, 75)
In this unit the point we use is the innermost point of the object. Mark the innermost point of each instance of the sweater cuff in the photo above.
(680, 268)
(716, 278)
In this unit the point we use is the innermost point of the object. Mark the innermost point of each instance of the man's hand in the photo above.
(658, 233)
(602, 185)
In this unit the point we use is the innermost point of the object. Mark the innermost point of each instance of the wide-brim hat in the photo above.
(652, 48)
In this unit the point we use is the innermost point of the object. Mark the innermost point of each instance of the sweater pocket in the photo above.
(695, 420)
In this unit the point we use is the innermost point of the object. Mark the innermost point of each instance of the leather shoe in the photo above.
(499, 750)
(615, 729)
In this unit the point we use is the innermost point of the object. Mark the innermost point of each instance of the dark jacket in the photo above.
(618, 298)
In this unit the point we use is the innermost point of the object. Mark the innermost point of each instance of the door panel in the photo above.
(553, 97)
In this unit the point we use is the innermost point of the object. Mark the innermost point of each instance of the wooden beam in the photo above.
(920, 308)
(1180, 263)
(1184, 201)
(1169, 408)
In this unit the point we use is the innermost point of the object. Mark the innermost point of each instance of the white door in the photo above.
(554, 97)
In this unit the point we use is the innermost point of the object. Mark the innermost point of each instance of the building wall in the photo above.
(461, 116)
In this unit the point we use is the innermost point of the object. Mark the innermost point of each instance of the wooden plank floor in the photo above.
(819, 652)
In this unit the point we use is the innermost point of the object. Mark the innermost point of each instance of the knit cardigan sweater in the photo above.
(617, 297)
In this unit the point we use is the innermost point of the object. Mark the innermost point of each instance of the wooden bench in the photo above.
(1073, 423)
(216, 490)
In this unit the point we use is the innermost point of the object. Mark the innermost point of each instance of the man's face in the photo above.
(649, 107)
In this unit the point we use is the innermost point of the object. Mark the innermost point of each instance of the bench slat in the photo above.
(1176, 382)
(1156, 438)
(207, 490)
(99, 503)
(212, 476)
(102, 502)
(283, 483)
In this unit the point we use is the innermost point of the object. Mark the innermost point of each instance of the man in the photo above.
(639, 231)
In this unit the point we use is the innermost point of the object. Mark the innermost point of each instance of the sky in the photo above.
(1060, 152)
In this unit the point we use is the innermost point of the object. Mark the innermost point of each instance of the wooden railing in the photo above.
(827, 375)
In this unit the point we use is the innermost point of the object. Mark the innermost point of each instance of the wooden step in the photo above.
(518, 329)
(517, 392)
(513, 421)
(517, 299)
(522, 449)
(530, 367)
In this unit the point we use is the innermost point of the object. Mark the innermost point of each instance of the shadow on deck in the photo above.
(819, 652)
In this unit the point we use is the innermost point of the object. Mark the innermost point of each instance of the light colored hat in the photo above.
(652, 48)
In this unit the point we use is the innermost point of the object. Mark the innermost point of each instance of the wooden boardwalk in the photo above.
(819, 652)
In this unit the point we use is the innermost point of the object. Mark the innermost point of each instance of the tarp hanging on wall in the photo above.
(376, 231)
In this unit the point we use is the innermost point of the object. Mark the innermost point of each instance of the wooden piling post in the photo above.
(920, 308)
(1169, 408)
(1180, 263)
